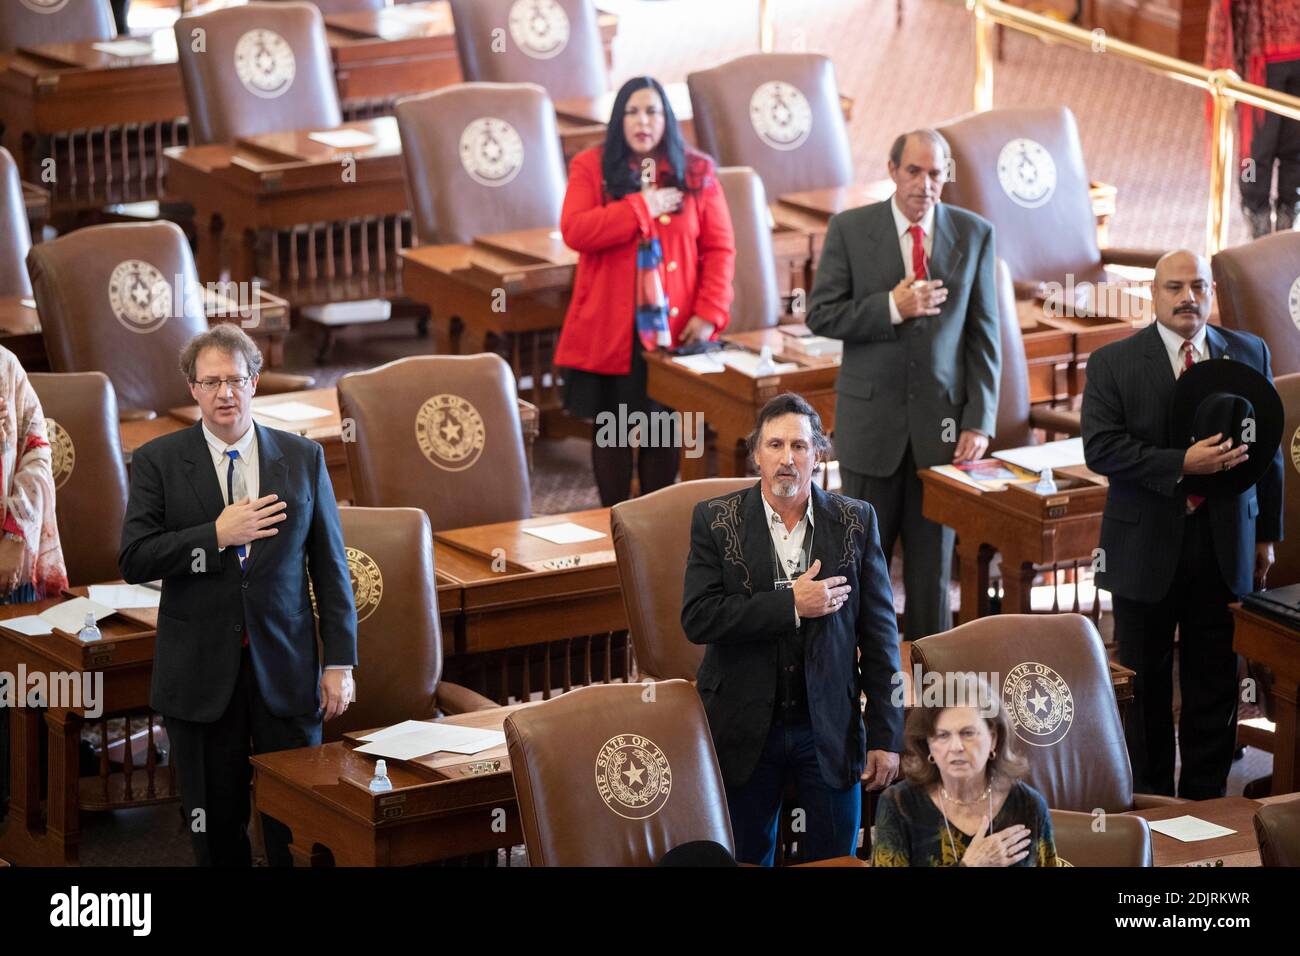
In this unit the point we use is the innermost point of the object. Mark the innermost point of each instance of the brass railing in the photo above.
(1224, 86)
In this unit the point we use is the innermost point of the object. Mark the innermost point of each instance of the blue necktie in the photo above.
(240, 549)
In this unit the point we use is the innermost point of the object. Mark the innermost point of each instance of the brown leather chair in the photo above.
(15, 234)
(108, 301)
(757, 304)
(779, 113)
(1022, 169)
(28, 23)
(1017, 419)
(1075, 745)
(555, 44)
(399, 634)
(1286, 569)
(605, 778)
(1124, 841)
(441, 433)
(1258, 285)
(1277, 828)
(326, 7)
(90, 485)
(651, 542)
(458, 189)
(266, 67)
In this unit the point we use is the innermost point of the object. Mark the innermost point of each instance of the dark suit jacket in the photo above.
(1126, 438)
(729, 605)
(901, 383)
(209, 604)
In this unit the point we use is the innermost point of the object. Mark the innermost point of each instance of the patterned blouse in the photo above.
(910, 829)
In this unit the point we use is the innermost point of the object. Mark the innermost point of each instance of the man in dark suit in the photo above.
(908, 285)
(1168, 558)
(234, 517)
(788, 590)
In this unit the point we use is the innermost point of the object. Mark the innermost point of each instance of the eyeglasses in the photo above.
(212, 384)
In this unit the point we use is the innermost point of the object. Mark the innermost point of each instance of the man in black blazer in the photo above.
(234, 518)
(787, 589)
(1168, 558)
(908, 285)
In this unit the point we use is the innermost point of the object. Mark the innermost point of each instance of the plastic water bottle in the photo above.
(1046, 483)
(90, 630)
(765, 365)
(380, 783)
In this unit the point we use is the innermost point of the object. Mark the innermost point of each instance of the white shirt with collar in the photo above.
(901, 226)
(1174, 346)
(788, 544)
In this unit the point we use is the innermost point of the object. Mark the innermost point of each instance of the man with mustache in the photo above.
(788, 591)
(908, 285)
(1172, 559)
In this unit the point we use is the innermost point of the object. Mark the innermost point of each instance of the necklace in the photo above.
(943, 799)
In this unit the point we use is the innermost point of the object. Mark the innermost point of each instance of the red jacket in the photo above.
(699, 253)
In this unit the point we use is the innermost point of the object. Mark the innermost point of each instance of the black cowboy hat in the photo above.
(1221, 396)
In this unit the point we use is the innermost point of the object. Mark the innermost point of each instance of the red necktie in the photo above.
(1189, 359)
(918, 253)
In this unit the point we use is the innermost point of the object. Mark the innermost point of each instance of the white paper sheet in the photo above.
(343, 138)
(565, 532)
(701, 362)
(1190, 829)
(747, 364)
(70, 616)
(292, 412)
(124, 48)
(31, 625)
(122, 596)
(1052, 454)
(430, 739)
(410, 14)
(30, 303)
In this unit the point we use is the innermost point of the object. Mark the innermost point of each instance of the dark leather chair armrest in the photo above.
(455, 699)
(1056, 420)
(1154, 801)
(1119, 256)
(136, 414)
(276, 383)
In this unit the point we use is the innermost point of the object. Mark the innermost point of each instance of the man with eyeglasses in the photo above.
(234, 517)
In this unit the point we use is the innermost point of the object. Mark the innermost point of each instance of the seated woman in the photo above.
(962, 802)
(656, 254)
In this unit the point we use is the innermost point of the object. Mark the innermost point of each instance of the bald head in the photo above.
(1182, 292)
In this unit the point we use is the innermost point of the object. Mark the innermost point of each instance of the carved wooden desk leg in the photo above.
(64, 797)
(1017, 579)
(974, 560)
(24, 759)
(1286, 743)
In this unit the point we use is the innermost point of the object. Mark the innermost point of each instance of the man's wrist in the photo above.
(895, 317)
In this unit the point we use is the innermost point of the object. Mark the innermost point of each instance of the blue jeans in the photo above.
(829, 819)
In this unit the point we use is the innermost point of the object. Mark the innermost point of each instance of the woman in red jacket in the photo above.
(642, 206)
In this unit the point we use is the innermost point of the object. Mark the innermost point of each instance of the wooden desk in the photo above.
(1025, 528)
(20, 333)
(317, 224)
(1237, 849)
(441, 806)
(535, 616)
(1275, 643)
(125, 659)
(730, 400)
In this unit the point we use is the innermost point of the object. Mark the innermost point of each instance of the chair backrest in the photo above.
(1013, 430)
(326, 7)
(1123, 841)
(399, 635)
(259, 68)
(652, 537)
(1286, 569)
(1277, 828)
(779, 113)
(1022, 169)
(554, 43)
(440, 433)
(1258, 285)
(28, 23)
(1054, 682)
(15, 234)
(121, 299)
(605, 776)
(481, 158)
(90, 485)
(757, 304)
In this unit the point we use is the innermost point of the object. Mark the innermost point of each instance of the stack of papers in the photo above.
(701, 362)
(1052, 454)
(417, 738)
(69, 616)
(123, 596)
(747, 364)
(124, 48)
(1190, 829)
(565, 532)
(292, 412)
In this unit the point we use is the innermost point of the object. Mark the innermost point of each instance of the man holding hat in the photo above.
(1183, 419)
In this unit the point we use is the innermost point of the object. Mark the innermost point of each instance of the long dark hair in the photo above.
(621, 174)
